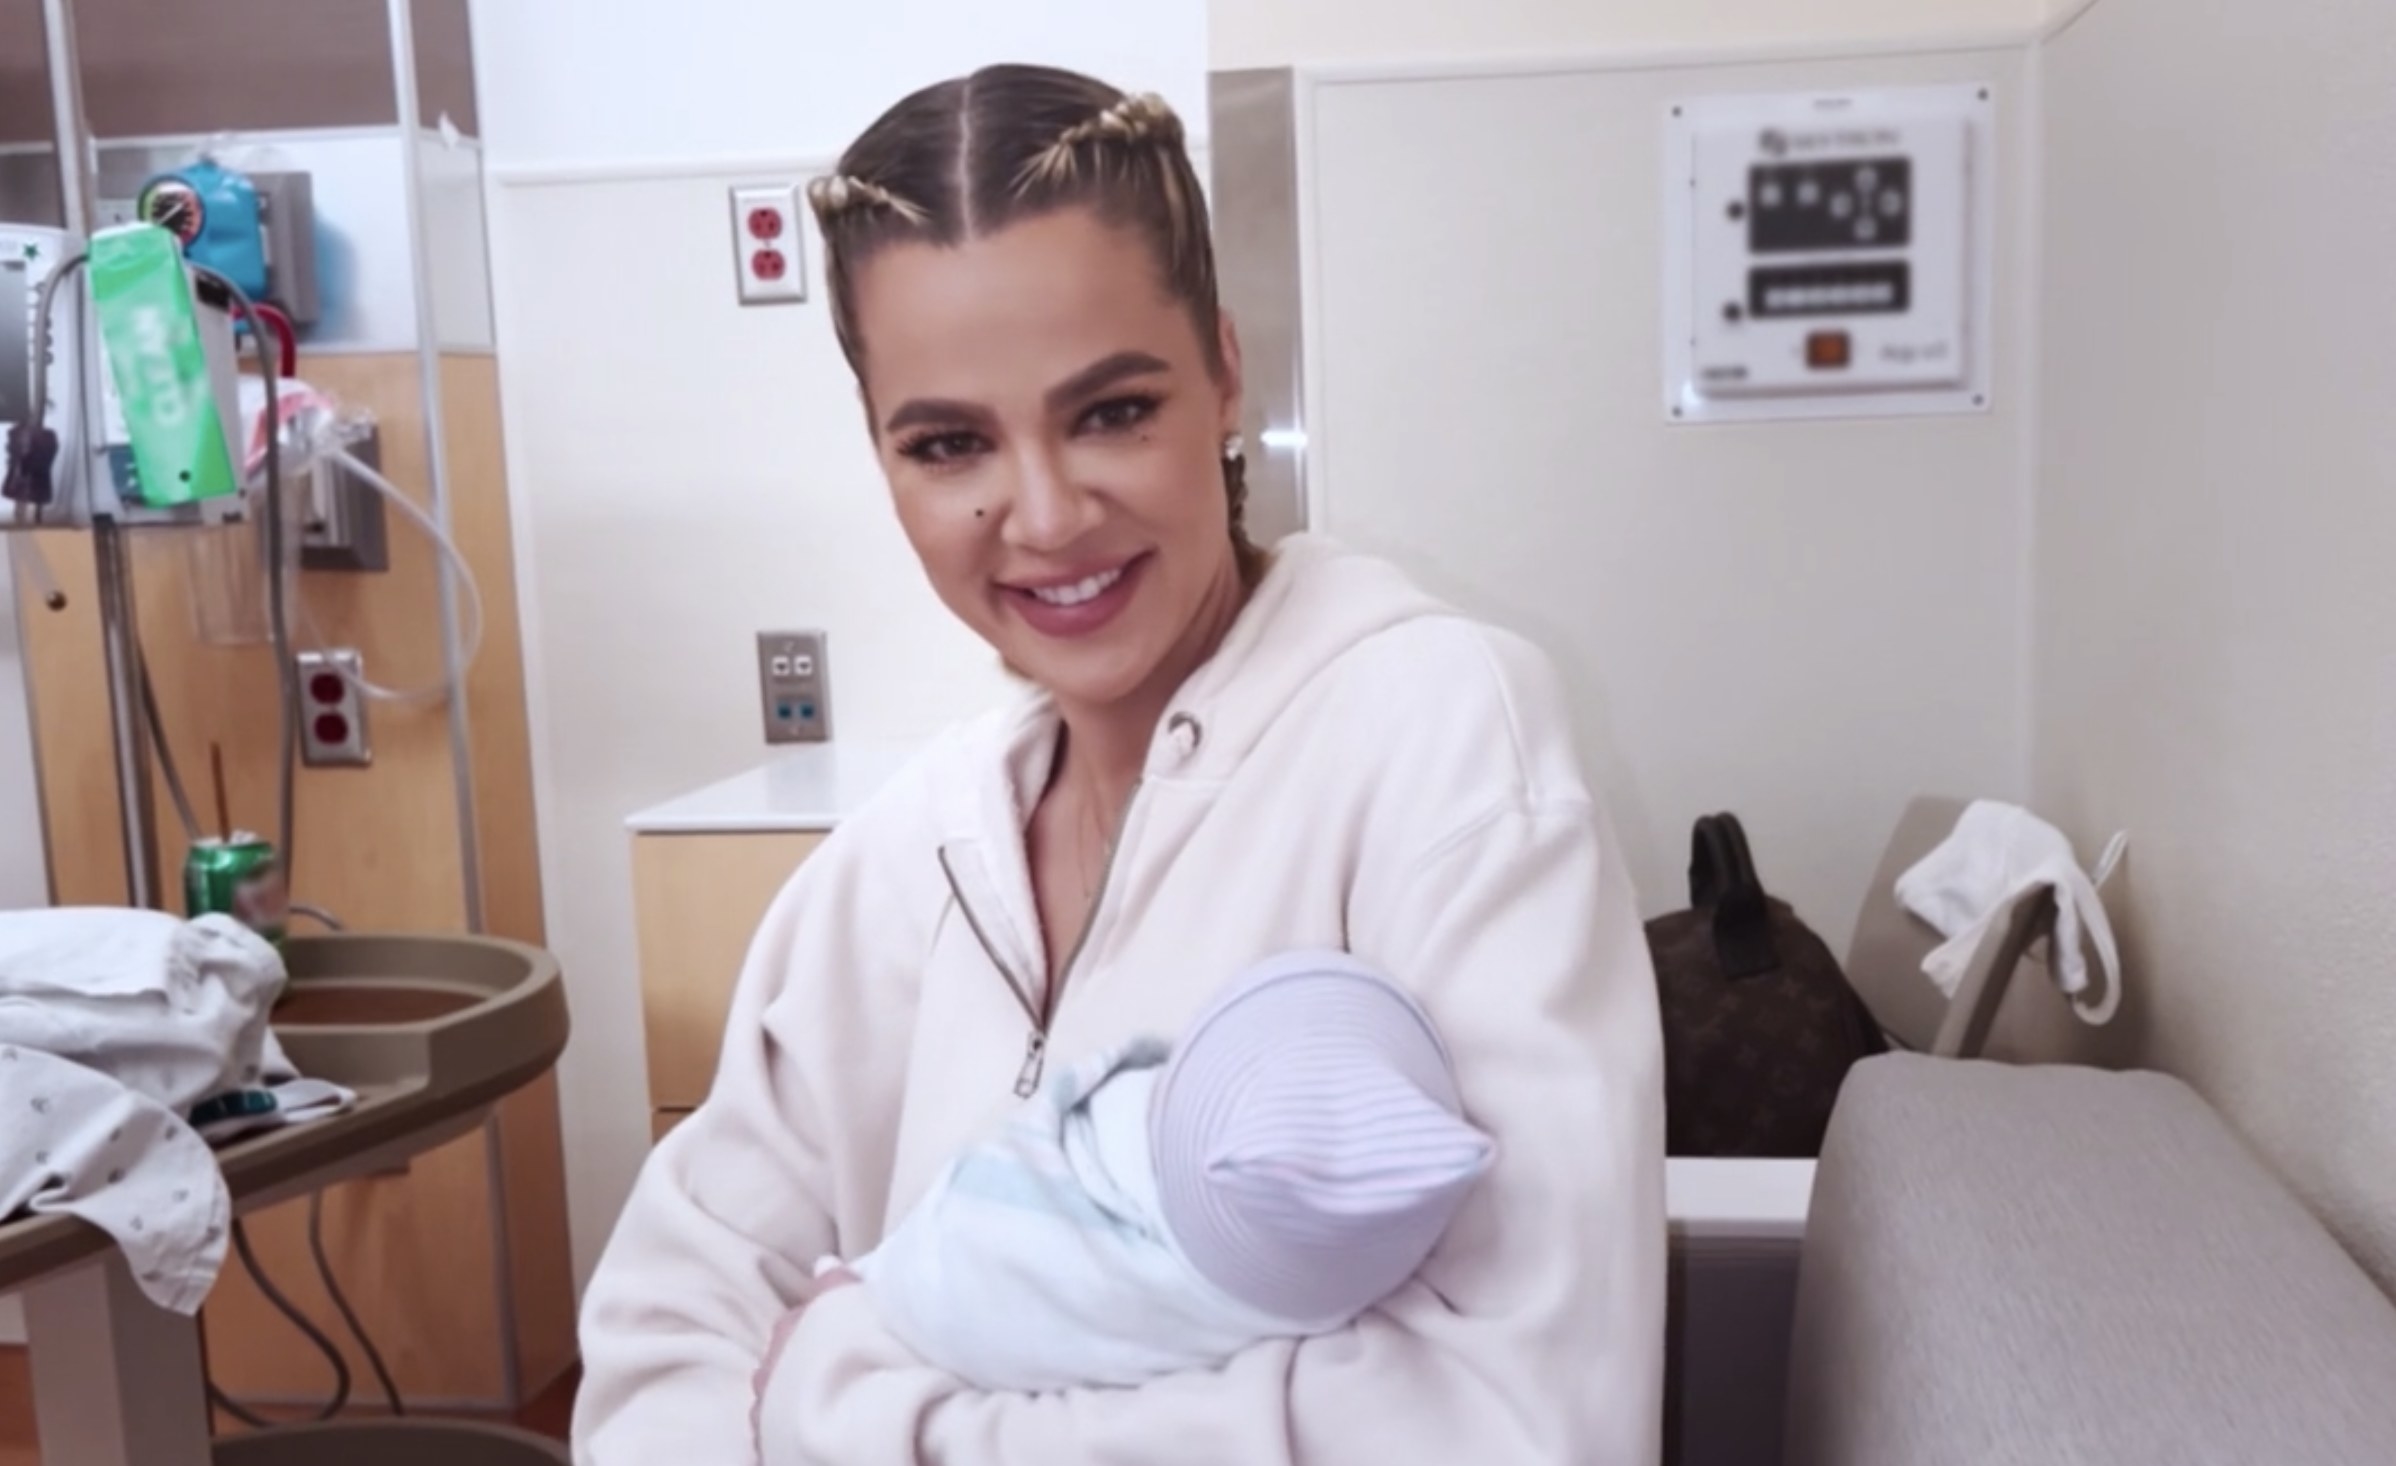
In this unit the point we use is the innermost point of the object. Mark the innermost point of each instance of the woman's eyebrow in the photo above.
(1088, 382)
(1102, 374)
(932, 411)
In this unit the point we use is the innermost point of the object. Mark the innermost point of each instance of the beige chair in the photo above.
(1884, 963)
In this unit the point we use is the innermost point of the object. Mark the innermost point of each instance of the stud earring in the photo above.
(1235, 448)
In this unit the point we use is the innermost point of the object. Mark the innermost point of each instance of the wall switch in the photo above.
(769, 258)
(332, 711)
(792, 678)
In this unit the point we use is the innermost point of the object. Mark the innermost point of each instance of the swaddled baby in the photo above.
(1289, 1165)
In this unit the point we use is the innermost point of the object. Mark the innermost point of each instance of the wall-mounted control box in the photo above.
(1828, 254)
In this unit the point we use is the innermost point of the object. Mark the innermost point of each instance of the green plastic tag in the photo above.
(160, 366)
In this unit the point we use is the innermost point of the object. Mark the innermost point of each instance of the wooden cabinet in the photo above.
(697, 899)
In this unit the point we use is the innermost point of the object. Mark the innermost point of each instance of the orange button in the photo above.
(1827, 350)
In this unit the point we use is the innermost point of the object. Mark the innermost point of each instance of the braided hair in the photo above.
(967, 157)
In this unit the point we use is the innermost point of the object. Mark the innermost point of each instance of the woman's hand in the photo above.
(835, 1277)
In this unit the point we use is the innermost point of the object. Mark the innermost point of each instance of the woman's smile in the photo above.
(1079, 602)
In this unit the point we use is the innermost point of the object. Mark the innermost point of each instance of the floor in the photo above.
(549, 1414)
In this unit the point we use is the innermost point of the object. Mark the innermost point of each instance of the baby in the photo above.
(1151, 1210)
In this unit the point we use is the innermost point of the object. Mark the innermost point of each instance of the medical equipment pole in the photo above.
(138, 812)
(402, 16)
(111, 561)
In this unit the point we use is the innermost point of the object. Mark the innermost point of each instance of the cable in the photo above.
(286, 336)
(349, 1316)
(448, 548)
(237, 1410)
(39, 405)
(299, 1320)
(158, 745)
(319, 915)
(32, 450)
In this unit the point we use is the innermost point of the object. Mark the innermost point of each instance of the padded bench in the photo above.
(2052, 1266)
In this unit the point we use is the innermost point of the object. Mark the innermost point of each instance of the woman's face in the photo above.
(1053, 438)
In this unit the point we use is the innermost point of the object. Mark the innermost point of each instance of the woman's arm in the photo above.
(1534, 1335)
(714, 1245)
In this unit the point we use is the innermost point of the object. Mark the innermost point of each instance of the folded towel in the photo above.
(1997, 855)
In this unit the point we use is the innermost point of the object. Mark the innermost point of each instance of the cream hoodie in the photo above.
(1358, 767)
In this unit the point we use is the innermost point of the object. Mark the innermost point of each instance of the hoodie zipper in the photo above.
(1042, 1013)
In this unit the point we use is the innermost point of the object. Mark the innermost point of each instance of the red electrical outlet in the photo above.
(332, 713)
(767, 254)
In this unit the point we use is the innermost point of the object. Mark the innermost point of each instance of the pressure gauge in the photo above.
(173, 205)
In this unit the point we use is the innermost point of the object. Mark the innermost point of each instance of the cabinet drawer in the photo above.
(697, 900)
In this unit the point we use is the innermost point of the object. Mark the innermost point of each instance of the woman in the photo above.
(1224, 756)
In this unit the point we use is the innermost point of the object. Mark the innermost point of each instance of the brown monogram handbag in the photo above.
(1760, 1025)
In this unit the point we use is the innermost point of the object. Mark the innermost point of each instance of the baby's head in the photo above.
(1310, 1146)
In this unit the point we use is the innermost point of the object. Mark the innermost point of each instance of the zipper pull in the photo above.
(1035, 1054)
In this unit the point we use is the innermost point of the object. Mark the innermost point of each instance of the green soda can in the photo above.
(241, 878)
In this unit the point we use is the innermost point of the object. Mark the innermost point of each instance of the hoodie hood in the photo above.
(1318, 600)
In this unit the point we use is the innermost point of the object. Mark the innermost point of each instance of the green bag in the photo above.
(158, 360)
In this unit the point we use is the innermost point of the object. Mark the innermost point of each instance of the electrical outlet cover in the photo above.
(769, 254)
(794, 686)
(332, 710)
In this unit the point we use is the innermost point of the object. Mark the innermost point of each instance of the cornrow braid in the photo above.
(1137, 119)
(837, 194)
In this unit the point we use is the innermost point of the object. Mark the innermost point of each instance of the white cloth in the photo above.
(280, 1103)
(1966, 888)
(173, 1009)
(1041, 1261)
(74, 1140)
(1151, 1211)
(283, 1097)
(114, 1025)
(1357, 766)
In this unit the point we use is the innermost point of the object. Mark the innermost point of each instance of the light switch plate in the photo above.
(769, 254)
(796, 686)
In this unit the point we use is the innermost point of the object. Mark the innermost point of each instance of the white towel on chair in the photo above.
(1997, 854)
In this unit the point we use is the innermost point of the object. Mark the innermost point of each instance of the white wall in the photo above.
(686, 472)
(616, 82)
(1806, 624)
(1286, 32)
(2216, 649)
